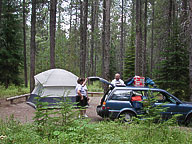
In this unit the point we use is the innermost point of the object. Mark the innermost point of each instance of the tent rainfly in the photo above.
(51, 85)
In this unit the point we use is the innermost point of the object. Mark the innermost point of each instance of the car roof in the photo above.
(138, 88)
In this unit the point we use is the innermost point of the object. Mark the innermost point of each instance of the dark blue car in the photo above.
(126, 101)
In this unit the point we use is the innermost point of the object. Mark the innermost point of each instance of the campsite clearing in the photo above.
(25, 113)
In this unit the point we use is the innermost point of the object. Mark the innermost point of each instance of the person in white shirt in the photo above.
(81, 95)
(117, 81)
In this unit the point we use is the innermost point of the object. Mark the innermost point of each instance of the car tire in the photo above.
(189, 121)
(127, 116)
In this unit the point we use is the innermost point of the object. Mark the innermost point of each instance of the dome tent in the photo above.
(51, 85)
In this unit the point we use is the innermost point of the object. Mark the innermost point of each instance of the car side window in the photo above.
(122, 95)
(159, 97)
(163, 97)
(141, 93)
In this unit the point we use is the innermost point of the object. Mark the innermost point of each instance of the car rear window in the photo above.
(124, 95)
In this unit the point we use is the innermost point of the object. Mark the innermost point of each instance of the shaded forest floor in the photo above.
(25, 113)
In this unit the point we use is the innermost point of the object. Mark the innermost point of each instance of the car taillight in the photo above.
(103, 106)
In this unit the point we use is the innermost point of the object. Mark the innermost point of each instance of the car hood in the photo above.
(94, 78)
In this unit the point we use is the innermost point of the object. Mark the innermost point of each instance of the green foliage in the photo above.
(95, 87)
(173, 73)
(152, 121)
(10, 44)
(50, 122)
(12, 90)
(154, 113)
(102, 132)
(129, 66)
(15, 132)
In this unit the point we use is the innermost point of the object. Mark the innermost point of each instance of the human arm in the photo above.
(79, 89)
(79, 93)
(84, 83)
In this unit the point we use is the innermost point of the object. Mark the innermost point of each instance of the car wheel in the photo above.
(127, 117)
(189, 121)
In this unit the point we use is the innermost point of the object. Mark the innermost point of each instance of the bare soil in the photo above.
(25, 113)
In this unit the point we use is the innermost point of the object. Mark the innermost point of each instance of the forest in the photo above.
(150, 38)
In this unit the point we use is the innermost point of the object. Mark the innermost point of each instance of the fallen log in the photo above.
(95, 93)
(17, 97)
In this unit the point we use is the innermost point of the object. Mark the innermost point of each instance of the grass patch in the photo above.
(84, 132)
(95, 87)
(12, 90)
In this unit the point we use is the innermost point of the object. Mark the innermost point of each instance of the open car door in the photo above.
(94, 78)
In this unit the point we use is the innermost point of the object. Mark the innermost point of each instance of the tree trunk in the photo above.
(184, 19)
(82, 70)
(0, 9)
(122, 39)
(24, 44)
(106, 38)
(97, 41)
(59, 15)
(103, 38)
(170, 17)
(76, 14)
(152, 37)
(184, 10)
(93, 25)
(145, 42)
(138, 61)
(70, 17)
(85, 56)
(76, 33)
(33, 46)
(83, 35)
(92, 35)
(190, 48)
(52, 32)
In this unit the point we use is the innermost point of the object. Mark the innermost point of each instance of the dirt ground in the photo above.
(25, 113)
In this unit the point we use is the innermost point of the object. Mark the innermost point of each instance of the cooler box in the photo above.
(136, 101)
(139, 81)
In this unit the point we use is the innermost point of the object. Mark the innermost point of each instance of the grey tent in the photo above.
(51, 85)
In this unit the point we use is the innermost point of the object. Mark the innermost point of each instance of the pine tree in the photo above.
(129, 67)
(173, 73)
(10, 44)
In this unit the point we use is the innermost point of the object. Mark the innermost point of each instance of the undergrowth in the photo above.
(84, 132)
(95, 87)
(13, 90)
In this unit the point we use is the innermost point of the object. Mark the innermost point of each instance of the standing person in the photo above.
(117, 81)
(81, 95)
(86, 91)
